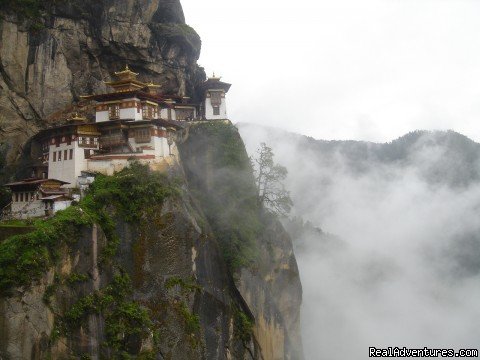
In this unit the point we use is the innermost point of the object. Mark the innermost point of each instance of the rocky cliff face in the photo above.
(80, 44)
(149, 266)
(254, 242)
(198, 273)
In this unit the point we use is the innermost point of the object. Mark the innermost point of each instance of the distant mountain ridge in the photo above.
(441, 157)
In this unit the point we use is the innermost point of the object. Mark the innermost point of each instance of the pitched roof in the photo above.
(35, 181)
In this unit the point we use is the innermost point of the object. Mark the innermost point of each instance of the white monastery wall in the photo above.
(209, 110)
(28, 209)
(61, 205)
(130, 113)
(101, 116)
(62, 168)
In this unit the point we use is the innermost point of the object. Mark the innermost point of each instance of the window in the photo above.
(65, 153)
(71, 154)
(54, 156)
(16, 197)
(216, 110)
(142, 135)
(21, 196)
(148, 112)
(69, 140)
(216, 98)
(113, 111)
(60, 155)
(87, 154)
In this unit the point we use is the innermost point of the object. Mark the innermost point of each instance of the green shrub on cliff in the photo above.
(24, 258)
(130, 191)
(219, 169)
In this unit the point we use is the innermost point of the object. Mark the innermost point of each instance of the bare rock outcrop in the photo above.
(80, 44)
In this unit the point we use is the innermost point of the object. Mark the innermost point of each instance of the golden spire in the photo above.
(126, 73)
(214, 77)
(77, 117)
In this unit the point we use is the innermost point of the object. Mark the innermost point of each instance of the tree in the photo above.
(268, 177)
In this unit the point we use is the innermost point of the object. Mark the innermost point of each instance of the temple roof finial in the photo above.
(214, 77)
(126, 73)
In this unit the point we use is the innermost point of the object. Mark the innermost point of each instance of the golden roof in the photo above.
(126, 73)
(77, 117)
(151, 84)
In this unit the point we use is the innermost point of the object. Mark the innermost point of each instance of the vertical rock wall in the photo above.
(44, 71)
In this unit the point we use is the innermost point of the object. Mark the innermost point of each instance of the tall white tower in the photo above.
(214, 105)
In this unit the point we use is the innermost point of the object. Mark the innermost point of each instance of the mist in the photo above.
(404, 266)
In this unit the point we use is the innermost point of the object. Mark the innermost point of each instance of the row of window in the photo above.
(26, 196)
(67, 155)
(82, 140)
(87, 141)
(147, 111)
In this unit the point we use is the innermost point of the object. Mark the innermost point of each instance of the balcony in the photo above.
(109, 141)
(143, 139)
(88, 143)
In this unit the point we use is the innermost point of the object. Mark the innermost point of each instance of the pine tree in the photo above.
(269, 177)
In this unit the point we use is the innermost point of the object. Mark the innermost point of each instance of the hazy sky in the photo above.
(346, 69)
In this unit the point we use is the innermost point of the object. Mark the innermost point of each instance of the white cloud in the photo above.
(317, 67)
(408, 273)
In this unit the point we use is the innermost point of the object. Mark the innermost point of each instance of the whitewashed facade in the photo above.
(37, 197)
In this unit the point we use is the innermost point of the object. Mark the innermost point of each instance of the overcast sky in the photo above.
(345, 69)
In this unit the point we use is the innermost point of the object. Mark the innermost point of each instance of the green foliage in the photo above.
(130, 191)
(49, 291)
(24, 258)
(243, 325)
(124, 318)
(192, 321)
(223, 177)
(84, 306)
(268, 178)
(186, 285)
(147, 355)
(75, 278)
(16, 223)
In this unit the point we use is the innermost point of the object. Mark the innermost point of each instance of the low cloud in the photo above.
(407, 273)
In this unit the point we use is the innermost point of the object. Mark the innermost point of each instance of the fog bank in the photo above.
(408, 270)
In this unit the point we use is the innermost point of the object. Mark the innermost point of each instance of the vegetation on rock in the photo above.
(224, 183)
(26, 257)
(124, 319)
(243, 325)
